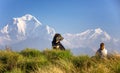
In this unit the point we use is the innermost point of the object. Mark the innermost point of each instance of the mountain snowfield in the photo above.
(27, 31)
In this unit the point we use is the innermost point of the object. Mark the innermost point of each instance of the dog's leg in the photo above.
(61, 46)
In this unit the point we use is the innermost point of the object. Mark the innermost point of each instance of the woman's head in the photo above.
(102, 46)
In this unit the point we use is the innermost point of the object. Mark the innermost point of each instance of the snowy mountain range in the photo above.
(27, 31)
(88, 42)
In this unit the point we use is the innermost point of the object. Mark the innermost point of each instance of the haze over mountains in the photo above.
(27, 31)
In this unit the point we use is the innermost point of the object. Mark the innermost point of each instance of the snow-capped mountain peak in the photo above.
(98, 30)
(86, 37)
(29, 17)
(26, 23)
(99, 33)
(22, 28)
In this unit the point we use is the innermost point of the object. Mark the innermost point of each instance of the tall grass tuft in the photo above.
(28, 52)
(9, 59)
(57, 54)
(32, 60)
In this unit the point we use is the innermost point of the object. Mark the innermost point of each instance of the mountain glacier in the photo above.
(27, 31)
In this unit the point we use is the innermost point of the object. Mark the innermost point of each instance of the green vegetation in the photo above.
(55, 61)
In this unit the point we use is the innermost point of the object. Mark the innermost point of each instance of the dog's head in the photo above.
(57, 37)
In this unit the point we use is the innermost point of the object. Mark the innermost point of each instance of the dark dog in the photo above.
(56, 42)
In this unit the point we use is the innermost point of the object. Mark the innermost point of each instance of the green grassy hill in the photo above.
(55, 61)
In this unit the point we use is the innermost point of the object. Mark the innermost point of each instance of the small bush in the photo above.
(32, 60)
(33, 64)
(57, 54)
(30, 52)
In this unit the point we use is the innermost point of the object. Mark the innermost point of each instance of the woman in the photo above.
(102, 52)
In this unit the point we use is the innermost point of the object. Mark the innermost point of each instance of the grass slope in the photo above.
(55, 61)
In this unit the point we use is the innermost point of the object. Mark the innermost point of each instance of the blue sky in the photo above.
(71, 16)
